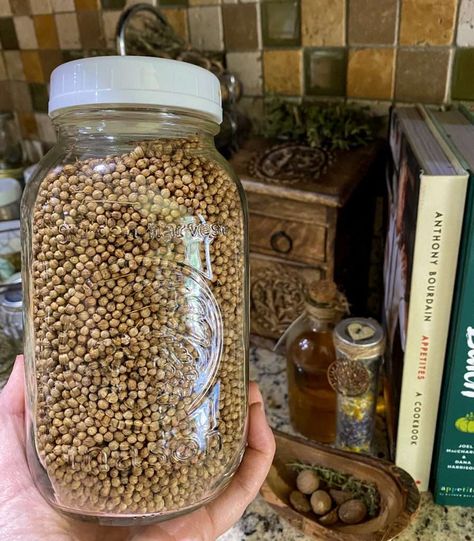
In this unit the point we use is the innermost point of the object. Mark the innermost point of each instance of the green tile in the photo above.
(173, 2)
(281, 23)
(39, 97)
(462, 84)
(112, 4)
(8, 34)
(325, 71)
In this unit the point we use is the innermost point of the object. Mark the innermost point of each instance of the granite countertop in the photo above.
(261, 523)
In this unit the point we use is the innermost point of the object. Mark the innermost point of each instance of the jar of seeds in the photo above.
(359, 344)
(136, 295)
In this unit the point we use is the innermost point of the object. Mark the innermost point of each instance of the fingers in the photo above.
(12, 397)
(230, 506)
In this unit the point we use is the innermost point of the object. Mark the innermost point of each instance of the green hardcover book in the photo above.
(452, 477)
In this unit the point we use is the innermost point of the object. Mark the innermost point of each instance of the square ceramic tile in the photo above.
(325, 71)
(3, 69)
(110, 20)
(462, 81)
(5, 9)
(46, 34)
(372, 22)
(422, 75)
(5, 96)
(173, 2)
(68, 31)
(21, 98)
(32, 66)
(20, 7)
(60, 6)
(14, 65)
(240, 27)
(39, 97)
(28, 127)
(8, 38)
(90, 29)
(46, 129)
(40, 7)
(427, 22)
(203, 2)
(248, 69)
(25, 32)
(87, 5)
(322, 22)
(282, 72)
(112, 4)
(465, 33)
(50, 59)
(205, 28)
(281, 23)
(178, 19)
(370, 73)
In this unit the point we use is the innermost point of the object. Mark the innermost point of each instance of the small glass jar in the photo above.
(310, 351)
(136, 295)
(359, 344)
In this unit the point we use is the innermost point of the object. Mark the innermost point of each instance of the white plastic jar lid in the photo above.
(135, 80)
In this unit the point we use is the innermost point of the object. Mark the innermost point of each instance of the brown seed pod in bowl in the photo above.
(329, 518)
(307, 481)
(299, 502)
(352, 511)
(321, 502)
(340, 496)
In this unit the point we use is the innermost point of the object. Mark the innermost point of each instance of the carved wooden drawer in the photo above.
(293, 240)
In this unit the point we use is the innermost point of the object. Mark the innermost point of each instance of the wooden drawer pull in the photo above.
(281, 242)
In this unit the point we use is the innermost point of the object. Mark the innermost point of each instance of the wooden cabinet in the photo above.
(302, 228)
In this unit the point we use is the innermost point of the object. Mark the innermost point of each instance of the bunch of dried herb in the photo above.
(331, 125)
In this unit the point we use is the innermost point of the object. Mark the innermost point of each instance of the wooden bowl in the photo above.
(399, 496)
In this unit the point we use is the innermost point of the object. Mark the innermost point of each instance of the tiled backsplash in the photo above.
(379, 50)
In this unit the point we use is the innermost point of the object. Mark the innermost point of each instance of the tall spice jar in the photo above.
(360, 344)
(310, 352)
(136, 295)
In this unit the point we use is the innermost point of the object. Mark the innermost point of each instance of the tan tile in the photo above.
(14, 65)
(248, 69)
(32, 66)
(68, 31)
(25, 32)
(322, 22)
(465, 27)
(87, 5)
(427, 22)
(5, 96)
(205, 28)
(370, 73)
(203, 2)
(19, 7)
(46, 129)
(240, 27)
(60, 6)
(5, 8)
(46, 34)
(40, 7)
(28, 126)
(422, 75)
(21, 97)
(178, 19)
(282, 72)
(110, 20)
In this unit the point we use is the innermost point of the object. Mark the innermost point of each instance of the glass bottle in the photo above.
(310, 351)
(135, 274)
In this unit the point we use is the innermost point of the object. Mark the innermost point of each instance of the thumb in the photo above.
(12, 397)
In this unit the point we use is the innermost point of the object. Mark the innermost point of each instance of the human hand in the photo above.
(25, 515)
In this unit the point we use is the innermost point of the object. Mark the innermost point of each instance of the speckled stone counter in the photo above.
(261, 523)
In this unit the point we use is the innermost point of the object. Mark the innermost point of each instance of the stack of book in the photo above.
(429, 299)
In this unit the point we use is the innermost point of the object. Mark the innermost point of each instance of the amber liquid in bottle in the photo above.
(312, 400)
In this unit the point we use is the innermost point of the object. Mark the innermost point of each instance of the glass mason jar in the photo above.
(135, 273)
(310, 352)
